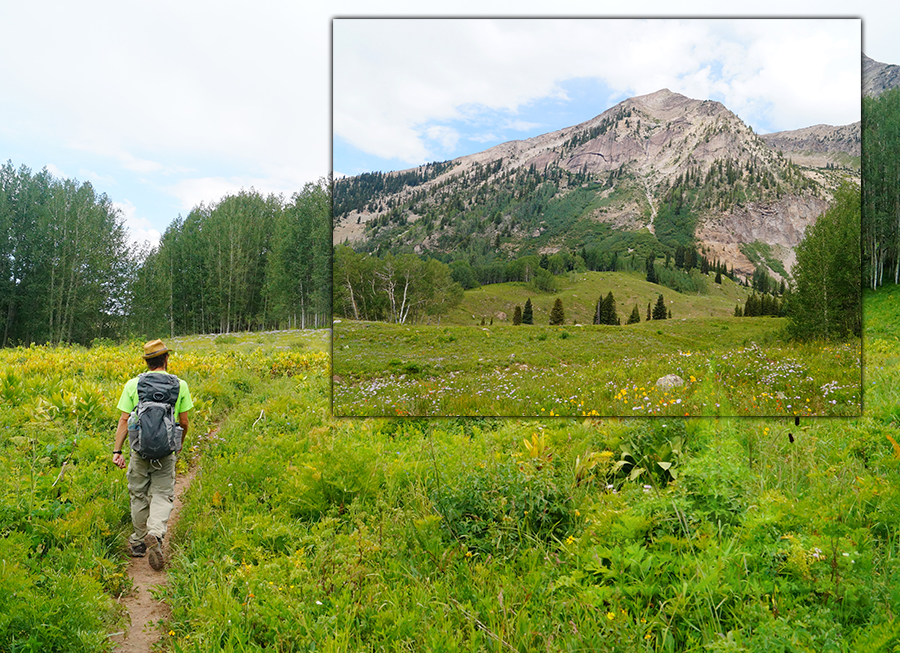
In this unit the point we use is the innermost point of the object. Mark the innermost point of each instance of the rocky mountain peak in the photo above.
(662, 163)
(878, 77)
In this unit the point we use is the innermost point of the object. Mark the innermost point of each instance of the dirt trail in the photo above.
(144, 611)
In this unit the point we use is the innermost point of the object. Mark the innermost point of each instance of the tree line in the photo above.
(825, 302)
(881, 188)
(69, 274)
(65, 261)
(399, 289)
(247, 262)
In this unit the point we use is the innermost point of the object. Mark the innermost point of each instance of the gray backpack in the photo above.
(153, 432)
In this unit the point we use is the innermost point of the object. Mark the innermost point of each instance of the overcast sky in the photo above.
(168, 104)
(408, 91)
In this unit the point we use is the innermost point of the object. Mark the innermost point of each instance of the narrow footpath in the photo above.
(144, 611)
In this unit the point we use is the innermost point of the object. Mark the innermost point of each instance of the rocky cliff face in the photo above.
(820, 145)
(780, 224)
(878, 77)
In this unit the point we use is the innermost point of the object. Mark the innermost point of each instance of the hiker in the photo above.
(154, 416)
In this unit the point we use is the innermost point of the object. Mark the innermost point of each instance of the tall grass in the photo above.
(672, 534)
(64, 514)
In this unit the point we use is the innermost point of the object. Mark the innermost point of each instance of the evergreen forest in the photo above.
(70, 275)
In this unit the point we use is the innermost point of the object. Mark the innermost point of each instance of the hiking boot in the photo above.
(154, 547)
(138, 549)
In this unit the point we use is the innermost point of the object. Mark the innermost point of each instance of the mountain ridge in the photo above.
(878, 77)
(634, 161)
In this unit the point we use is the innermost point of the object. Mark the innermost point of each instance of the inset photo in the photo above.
(597, 217)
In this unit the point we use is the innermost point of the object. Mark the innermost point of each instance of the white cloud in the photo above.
(520, 125)
(140, 231)
(56, 172)
(484, 138)
(395, 80)
(95, 177)
(447, 137)
(209, 190)
(152, 88)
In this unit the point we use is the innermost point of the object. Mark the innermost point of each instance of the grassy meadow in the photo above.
(64, 510)
(305, 532)
(730, 366)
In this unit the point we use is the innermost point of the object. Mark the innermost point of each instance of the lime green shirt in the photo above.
(129, 400)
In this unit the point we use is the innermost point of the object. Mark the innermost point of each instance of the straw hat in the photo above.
(154, 348)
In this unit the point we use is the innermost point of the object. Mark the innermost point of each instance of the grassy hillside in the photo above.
(581, 291)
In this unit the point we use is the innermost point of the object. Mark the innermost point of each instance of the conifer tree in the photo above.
(659, 310)
(651, 269)
(609, 310)
(718, 275)
(557, 314)
(751, 306)
(649, 314)
(690, 259)
(517, 315)
(737, 311)
(528, 313)
(635, 316)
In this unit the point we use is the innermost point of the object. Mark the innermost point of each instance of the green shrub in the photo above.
(492, 508)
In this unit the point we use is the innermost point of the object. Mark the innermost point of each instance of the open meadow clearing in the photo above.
(729, 367)
(305, 532)
(476, 362)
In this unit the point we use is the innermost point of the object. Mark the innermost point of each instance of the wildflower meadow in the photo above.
(743, 369)
(303, 531)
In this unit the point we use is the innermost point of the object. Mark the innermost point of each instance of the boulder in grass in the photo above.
(669, 381)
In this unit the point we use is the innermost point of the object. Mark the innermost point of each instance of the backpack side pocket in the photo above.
(134, 431)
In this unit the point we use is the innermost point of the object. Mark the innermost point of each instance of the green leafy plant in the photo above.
(652, 454)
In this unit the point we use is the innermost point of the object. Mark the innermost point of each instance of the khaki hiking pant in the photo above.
(151, 485)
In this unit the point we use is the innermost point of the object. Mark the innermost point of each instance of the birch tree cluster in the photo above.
(64, 261)
(395, 288)
(826, 302)
(68, 272)
(881, 188)
(247, 262)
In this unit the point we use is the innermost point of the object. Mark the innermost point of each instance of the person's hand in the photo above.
(119, 460)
